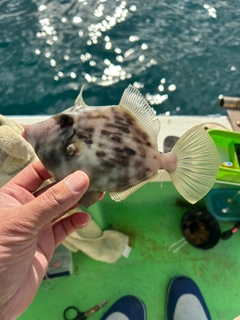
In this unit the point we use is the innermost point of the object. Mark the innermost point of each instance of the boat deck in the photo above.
(151, 217)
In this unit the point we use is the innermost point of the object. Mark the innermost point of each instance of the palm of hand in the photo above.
(29, 233)
(30, 252)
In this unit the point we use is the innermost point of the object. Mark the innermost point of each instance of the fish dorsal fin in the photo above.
(78, 104)
(79, 101)
(135, 103)
(123, 193)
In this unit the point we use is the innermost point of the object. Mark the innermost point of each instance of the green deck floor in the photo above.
(151, 217)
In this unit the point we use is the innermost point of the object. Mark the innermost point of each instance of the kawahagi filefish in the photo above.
(116, 146)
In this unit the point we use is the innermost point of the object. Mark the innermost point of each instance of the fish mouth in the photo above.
(48, 131)
(24, 132)
(27, 135)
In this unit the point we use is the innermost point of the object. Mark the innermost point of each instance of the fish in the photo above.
(117, 147)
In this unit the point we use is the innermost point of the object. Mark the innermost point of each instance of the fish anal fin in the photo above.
(197, 164)
(90, 198)
(122, 193)
(133, 101)
(79, 102)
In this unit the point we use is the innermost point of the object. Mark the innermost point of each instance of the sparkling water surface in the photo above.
(180, 54)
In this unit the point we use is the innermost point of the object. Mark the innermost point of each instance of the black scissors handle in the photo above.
(74, 314)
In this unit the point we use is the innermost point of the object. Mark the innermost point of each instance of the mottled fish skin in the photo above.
(105, 142)
(116, 146)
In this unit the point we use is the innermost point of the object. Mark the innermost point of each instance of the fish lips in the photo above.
(27, 136)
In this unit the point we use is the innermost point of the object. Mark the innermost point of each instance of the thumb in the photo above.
(56, 200)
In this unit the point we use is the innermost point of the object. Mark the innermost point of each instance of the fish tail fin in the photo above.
(197, 164)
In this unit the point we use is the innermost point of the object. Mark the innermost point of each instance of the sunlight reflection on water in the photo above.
(118, 68)
(180, 56)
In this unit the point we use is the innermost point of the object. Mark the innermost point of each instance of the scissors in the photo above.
(73, 313)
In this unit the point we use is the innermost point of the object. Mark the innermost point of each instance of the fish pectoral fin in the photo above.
(90, 198)
(122, 193)
(197, 164)
(79, 102)
(138, 107)
(76, 147)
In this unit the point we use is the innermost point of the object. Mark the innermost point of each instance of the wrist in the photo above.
(6, 312)
(5, 315)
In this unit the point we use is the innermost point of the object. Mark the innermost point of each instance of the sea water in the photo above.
(181, 54)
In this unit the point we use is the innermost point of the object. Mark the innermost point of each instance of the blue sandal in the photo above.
(126, 308)
(185, 301)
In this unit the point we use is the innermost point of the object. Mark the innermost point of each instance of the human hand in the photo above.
(29, 232)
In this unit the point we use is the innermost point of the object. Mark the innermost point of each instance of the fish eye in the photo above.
(65, 120)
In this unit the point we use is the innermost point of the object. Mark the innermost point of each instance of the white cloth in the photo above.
(107, 246)
(15, 151)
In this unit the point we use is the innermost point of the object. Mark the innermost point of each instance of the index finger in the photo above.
(31, 177)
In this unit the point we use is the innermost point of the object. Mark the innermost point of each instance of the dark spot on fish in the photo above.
(118, 149)
(121, 123)
(148, 144)
(124, 129)
(141, 134)
(130, 120)
(142, 151)
(118, 118)
(99, 116)
(89, 129)
(116, 138)
(155, 157)
(138, 163)
(137, 140)
(84, 134)
(101, 154)
(129, 151)
(108, 165)
(65, 120)
(86, 137)
(120, 160)
(105, 132)
(88, 141)
(101, 145)
(114, 135)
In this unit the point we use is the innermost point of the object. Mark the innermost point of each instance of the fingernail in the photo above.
(82, 219)
(77, 181)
